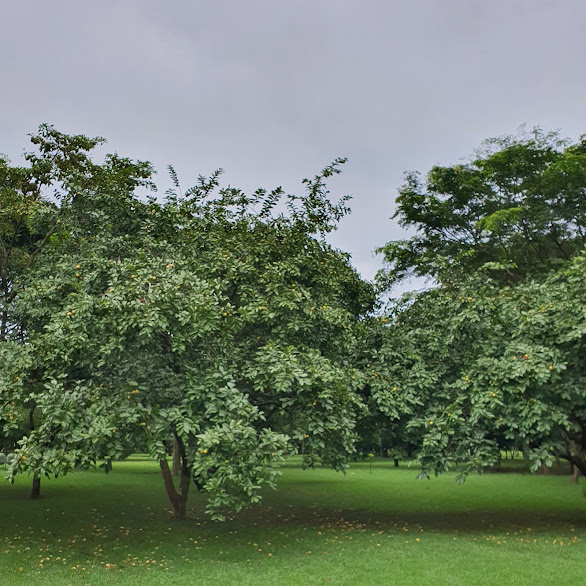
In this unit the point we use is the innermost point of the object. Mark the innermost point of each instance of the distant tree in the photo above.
(520, 204)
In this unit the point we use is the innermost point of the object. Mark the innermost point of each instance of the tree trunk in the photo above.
(36, 488)
(176, 458)
(525, 451)
(575, 474)
(576, 457)
(3, 326)
(177, 496)
(396, 462)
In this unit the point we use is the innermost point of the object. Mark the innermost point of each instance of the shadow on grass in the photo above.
(431, 521)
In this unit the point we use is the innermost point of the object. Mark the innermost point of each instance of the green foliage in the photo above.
(489, 359)
(201, 319)
(519, 204)
(467, 368)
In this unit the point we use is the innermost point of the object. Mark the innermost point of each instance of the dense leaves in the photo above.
(476, 366)
(207, 320)
(519, 204)
(492, 357)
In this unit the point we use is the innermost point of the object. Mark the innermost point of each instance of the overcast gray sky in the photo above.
(273, 90)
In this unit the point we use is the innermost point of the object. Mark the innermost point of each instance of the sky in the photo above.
(274, 90)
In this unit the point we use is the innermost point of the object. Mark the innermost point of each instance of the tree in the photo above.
(519, 204)
(27, 221)
(32, 219)
(213, 322)
(491, 353)
(475, 364)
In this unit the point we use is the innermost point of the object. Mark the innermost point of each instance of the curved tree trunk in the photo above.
(177, 496)
(577, 456)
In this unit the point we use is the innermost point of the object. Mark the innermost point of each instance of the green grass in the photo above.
(320, 527)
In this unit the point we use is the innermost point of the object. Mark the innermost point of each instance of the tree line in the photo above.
(222, 327)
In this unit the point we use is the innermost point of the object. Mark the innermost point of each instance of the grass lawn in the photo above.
(379, 527)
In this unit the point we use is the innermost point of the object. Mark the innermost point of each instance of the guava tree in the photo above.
(471, 364)
(216, 323)
(37, 202)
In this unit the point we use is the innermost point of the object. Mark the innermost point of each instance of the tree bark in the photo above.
(177, 496)
(176, 458)
(36, 488)
(576, 456)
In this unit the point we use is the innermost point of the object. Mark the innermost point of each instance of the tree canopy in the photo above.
(466, 368)
(222, 325)
(207, 318)
(491, 353)
(519, 204)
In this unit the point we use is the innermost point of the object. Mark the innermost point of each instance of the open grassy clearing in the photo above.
(320, 527)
